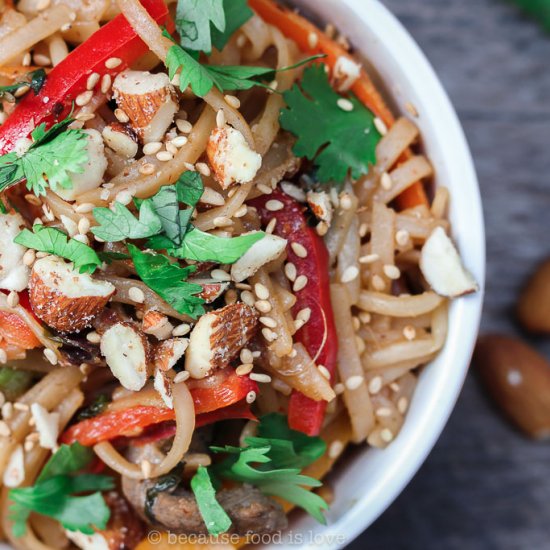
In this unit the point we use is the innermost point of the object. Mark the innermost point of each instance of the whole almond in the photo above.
(533, 308)
(518, 379)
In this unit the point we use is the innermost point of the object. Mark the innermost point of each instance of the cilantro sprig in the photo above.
(53, 156)
(58, 490)
(339, 141)
(54, 241)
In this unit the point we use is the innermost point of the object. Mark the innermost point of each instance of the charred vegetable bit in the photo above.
(14, 382)
(94, 409)
(164, 483)
(53, 494)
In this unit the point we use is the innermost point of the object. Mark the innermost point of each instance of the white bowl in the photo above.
(370, 480)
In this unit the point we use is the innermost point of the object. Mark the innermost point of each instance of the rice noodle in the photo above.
(398, 306)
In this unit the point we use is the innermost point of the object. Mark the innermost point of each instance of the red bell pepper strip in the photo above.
(131, 422)
(68, 79)
(318, 335)
(14, 330)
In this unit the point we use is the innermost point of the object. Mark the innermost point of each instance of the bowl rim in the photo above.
(465, 313)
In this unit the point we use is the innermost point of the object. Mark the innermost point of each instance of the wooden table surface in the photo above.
(484, 486)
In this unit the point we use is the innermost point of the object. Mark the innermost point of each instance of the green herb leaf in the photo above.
(95, 408)
(165, 483)
(190, 188)
(14, 382)
(168, 280)
(338, 141)
(538, 10)
(216, 519)
(204, 247)
(120, 224)
(54, 241)
(237, 13)
(53, 494)
(35, 80)
(50, 160)
(194, 19)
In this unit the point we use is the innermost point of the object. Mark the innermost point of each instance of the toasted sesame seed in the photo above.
(386, 435)
(29, 257)
(402, 237)
(271, 225)
(22, 91)
(299, 249)
(350, 274)
(298, 324)
(84, 98)
(251, 397)
(203, 168)
(263, 378)
(293, 353)
(121, 116)
(265, 189)
(363, 230)
(179, 141)
(241, 40)
(243, 286)
(7, 410)
(335, 449)
(369, 259)
(232, 101)
(164, 156)
(220, 275)
(392, 272)
(378, 283)
(29, 446)
(26, 60)
(33, 199)
(51, 356)
(106, 83)
(241, 211)
(220, 119)
(246, 356)
(300, 283)
(385, 181)
(291, 271)
(263, 306)
(360, 343)
(248, 298)
(181, 377)
(146, 469)
(222, 221)
(4, 429)
(353, 382)
(84, 117)
(84, 207)
(345, 201)
(322, 229)
(147, 169)
(13, 299)
(83, 225)
(181, 330)
(152, 148)
(312, 39)
(136, 295)
(380, 125)
(261, 291)
(269, 335)
(394, 386)
(92, 81)
(375, 385)
(268, 322)
(409, 332)
(383, 412)
(124, 197)
(41, 60)
(113, 62)
(93, 337)
(184, 126)
(171, 148)
(274, 205)
(244, 369)
(365, 317)
(345, 104)
(402, 405)
(324, 371)
(304, 314)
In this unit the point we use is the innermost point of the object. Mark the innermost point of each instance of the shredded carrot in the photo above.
(313, 41)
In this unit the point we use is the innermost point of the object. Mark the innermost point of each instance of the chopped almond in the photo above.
(127, 353)
(169, 352)
(149, 100)
(231, 158)
(14, 274)
(260, 253)
(346, 73)
(211, 290)
(218, 337)
(163, 385)
(65, 299)
(321, 206)
(157, 324)
(120, 139)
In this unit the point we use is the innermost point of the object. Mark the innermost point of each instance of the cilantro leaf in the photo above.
(122, 224)
(337, 141)
(216, 519)
(205, 247)
(49, 161)
(237, 13)
(190, 188)
(194, 19)
(53, 494)
(193, 73)
(538, 10)
(54, 241)
(168, 280)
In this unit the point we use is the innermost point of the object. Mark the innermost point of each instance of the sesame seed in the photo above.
(164, 156)
(184, 126)
(33, 199)
(402, 405)
(146, 468)
(293, 353)
(124, 197)
(304, 314)
(269, 335)
(246, 356)
(322, 229)
(41, 60)
(84, 117)
(152, 148)
(411, 109)
(299, 250)
(257, 377)
(29, 257)
(378, 283)
(350, 274)
(268, 322)
(369, 259)
(386, 435)
(29, 446)
(147, 169)
(7, 410)
(380, 125)
(106, 82)
(409, 332)
(180, 141)
(298, 324)
(92, 81)
(385, 181)
(181, 330)
(354, 382)
(345, 104)
(244, 369)
(2, 399)
(324, 371)
(392, 272)
(241, 211)
(84, 208)
(300, 283)
(263, 306)
(363, 230)
(171, 148)
(51, 356)
(248, 298)
(83, 225)
(271, 225)
(383, 412)
(251, 397)
(203, 168)
(291, 271)
(13, 299)
(22, 91)
(136, 295)
(261, 291)
(121, 116)
(274, 205)
(365, 317)
(360, 343)
(220, 119)
(84, 98)
(243, 286)
(220, 275)
(4, 429)
(232, 101)
(113, 62)
(265, 189)
(181, 377)
(241, 40)
(93, 337)
(345, 201)
(394, 386)
(26, 60)
(375, 385)
(312, 39)
(222, 221)
(335, 449)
